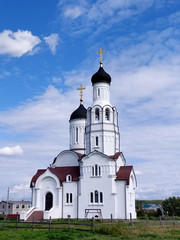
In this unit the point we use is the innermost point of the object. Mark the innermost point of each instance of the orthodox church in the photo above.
(91, 179)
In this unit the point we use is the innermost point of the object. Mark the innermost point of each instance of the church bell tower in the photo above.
(102, 132)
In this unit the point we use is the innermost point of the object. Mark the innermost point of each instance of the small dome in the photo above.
(80, 112)
(101, 76)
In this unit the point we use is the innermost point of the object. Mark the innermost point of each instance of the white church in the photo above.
(91, 179)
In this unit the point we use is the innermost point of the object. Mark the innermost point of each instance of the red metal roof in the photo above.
(60, 172)
(116, 155)
(124, 173)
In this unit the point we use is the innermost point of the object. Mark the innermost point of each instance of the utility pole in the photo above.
(7, 204)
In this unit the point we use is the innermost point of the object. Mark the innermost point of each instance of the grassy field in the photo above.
(102, 231)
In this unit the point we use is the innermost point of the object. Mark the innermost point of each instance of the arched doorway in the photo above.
(48, 201)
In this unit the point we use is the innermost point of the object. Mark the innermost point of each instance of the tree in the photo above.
(171, 206)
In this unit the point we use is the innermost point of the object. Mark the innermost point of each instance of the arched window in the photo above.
(107, 114)
(77, 133)
(96, 170)
(101, 197)
(92, 171)
(68, 178)
(91, 197)
(70, 200)
(97, 141)
(48, 201)
(96, 197)
(98, 92)
(67, 197)
(97, 114)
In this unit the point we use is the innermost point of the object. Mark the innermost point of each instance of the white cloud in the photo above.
(99, 14)
(73, 12)
(18, 43)
(11, 151)
(52, 41)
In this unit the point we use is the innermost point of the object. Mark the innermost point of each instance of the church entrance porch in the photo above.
(48, 201)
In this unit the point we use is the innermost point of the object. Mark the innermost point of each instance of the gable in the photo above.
(66, 158)
(59, 173)
(96, 157)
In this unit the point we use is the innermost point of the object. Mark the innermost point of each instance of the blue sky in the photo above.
(49, 48)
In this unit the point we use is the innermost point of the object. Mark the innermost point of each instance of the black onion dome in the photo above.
(80, 112)
(101, 76)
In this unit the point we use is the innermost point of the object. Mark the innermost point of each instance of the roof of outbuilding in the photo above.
(124, 173)
(101, 76)
(79, 113)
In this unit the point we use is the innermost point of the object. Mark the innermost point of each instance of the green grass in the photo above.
(103, 231)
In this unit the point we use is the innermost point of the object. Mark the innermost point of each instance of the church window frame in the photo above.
(97, 114)
(107, 114)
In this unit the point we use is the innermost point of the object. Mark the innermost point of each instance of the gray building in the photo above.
(14, 207)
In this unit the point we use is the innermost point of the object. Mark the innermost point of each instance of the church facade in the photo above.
(91, 179)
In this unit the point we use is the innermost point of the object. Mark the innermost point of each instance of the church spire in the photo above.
(100, 52)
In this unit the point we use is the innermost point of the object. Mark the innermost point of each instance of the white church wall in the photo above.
(77, 130)
(130, 199)
(66, 158)
(102, 182)
(70, 201)
(120, 200)
(101, 94)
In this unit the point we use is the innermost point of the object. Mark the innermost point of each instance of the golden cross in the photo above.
(81, 92)
(100, 52)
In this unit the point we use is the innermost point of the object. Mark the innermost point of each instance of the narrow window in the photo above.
(97, 114)
(92, 171)
(70, 198)
(107, 114)
(99, 171)
(97, 142)
(22, 206)
(96, 170)
(9, 206)
(98, 92)
(77, 132)
(96, 197)
(17, 206)
(91, 197)
(67, 197)
(68, 178)
(101, 197)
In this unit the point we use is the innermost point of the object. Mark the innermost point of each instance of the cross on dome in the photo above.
(81, 92)
(100, 52)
